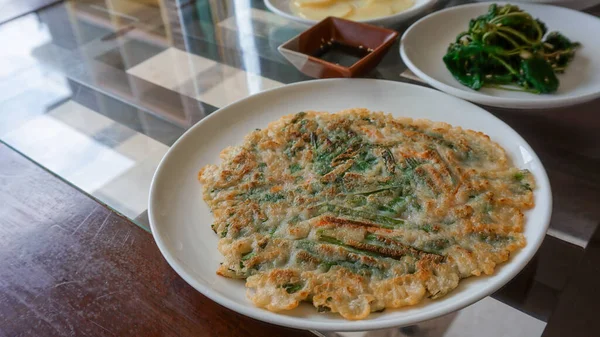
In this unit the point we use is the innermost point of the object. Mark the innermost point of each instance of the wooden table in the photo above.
(96, 91)
(71, 267)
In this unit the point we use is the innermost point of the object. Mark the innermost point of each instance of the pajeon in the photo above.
(358, 211)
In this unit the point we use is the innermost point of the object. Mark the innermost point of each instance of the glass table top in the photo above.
(96, 91)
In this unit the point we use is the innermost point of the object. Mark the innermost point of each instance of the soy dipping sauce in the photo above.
(341, 53)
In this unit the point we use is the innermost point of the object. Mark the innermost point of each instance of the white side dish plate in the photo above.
(425, 43)
(282, 7)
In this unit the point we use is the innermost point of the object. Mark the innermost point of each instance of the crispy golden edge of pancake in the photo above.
(381, 267)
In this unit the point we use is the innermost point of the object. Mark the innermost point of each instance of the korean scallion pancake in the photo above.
(358, 211)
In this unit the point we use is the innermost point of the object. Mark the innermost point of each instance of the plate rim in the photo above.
(580, 6)
(304, 323)
(477, 97)
(390, 19)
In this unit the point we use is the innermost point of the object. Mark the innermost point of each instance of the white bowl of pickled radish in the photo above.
(377, 12)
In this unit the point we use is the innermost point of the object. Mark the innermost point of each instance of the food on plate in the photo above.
(349, 9)
(506, 46)
(357, 211)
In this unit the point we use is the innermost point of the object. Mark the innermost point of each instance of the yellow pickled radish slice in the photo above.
(339, 10)
(304, 3)
(371, 11)
(397, 5)
(401, 5)
(363, 3)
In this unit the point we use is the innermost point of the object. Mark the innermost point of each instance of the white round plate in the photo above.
(180, 220)
(282, 7)
(424, 44)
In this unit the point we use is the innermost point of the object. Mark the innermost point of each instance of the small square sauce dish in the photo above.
(336, 47)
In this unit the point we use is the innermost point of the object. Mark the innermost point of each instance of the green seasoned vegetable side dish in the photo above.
(507, 47)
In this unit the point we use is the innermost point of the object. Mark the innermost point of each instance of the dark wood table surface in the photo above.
(69, 267)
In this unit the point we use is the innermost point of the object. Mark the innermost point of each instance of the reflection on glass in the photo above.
(249, 59)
